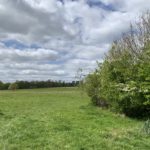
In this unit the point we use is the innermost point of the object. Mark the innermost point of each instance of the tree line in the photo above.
(36, 84)
(122, 81)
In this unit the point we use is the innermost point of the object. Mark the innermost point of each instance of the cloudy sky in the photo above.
(51, 39)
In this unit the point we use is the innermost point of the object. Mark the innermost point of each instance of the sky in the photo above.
(52, 39)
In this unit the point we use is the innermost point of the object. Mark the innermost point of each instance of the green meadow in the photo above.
(64, 119)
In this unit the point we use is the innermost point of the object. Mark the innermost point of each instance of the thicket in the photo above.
(122, 81)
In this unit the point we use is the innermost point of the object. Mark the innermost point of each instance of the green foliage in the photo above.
(13, 86)
(93, 86)
(123, 79)
(4, 86)
(44, 84)
(38, 84)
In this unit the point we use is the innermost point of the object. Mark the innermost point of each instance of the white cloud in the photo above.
(70, 36)
(15, 55)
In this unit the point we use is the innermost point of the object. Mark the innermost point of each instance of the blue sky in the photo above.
(51, 39)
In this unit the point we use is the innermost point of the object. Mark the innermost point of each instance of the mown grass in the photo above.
(63, 119)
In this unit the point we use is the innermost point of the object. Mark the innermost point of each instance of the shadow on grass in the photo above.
(1, 113)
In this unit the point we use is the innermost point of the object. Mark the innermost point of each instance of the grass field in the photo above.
(63, 119)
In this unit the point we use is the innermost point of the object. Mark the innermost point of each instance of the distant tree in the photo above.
(41, 84)
(4, 86)
(80, 76)
(1, 85)
(13, 86)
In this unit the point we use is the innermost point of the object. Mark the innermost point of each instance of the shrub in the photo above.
(13, 86)
(123, 78)
(92, 86)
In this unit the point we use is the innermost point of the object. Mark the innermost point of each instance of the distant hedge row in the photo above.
(37, 84)
(122, 81)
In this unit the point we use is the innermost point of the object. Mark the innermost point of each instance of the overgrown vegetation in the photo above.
(123, 79)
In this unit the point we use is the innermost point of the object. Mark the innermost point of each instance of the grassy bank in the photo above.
(63, 119)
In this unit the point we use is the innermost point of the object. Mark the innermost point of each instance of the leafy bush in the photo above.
(123, 78)
(93, 88)
(13, 86)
